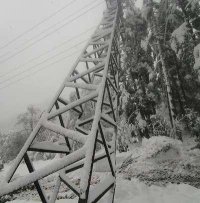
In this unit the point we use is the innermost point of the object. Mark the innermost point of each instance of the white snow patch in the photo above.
(141, 123)
(135, 191)
(22, 169)
(161, 147)
(178, 36)
(151, 154)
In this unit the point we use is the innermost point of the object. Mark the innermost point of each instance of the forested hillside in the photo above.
(160, 77)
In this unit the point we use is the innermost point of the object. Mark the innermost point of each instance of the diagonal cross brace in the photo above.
(97, 63)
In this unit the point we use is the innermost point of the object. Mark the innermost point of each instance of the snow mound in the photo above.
(162, 160)
(161, 147)
(156, 152)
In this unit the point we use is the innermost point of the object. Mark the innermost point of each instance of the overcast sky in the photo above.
(26, 78)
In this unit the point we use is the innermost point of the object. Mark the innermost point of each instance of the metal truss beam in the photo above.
(94, 78)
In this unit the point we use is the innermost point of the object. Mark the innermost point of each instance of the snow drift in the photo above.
(162, 148)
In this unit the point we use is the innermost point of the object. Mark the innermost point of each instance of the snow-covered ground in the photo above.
(136, 192)
(157, 154)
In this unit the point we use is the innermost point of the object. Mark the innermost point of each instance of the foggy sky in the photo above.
(15, 18)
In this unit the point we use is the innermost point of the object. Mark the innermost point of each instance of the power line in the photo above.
(45, 36)
(46, 52)
(4, 54)
(58, 22)
(29, 40)
(41, 22)
(44, 61)
(29, 75)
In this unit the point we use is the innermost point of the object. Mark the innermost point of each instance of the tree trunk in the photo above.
(153, 25)
(168, 87)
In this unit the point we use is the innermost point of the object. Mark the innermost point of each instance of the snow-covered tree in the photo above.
(160, 62)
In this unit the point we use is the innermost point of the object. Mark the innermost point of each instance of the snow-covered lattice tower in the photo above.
(94, 78)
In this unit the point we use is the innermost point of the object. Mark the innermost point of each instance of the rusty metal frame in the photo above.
(100, 58)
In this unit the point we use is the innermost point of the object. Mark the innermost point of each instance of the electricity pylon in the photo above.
(94, 78)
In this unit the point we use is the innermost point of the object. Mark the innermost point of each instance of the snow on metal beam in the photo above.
(81, 86)
(43, 172)
(74, 135)
(85, 156)
(47, 146)
(73, 104)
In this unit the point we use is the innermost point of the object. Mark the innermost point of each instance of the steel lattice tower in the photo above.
(95, 72)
